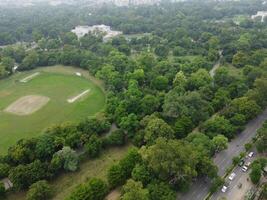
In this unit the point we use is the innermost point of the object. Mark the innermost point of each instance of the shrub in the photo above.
(65, 158)
(4, 169)
(116, 138)
(93, 146)
(39, 191)
(94, 189)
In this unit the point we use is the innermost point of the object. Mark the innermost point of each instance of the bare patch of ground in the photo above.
(73, 99)
(28, 78)
(113, 195)
(27, 105)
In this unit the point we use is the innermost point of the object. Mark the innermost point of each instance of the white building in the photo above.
(261, 14)
(81, 31)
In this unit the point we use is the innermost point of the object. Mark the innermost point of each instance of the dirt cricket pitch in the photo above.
(27, 105)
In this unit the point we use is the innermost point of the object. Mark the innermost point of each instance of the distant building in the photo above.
(81, 31)
(135, 2)
(261, 14)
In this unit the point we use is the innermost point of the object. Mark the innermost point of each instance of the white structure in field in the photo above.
(81, 31)
(135, 2)
(261, 14)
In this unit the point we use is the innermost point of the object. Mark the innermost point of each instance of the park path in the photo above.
(216, 65)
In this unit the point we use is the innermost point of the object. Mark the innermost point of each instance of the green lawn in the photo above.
(58, 83)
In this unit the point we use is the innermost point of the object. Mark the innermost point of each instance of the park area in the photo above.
(34, 100)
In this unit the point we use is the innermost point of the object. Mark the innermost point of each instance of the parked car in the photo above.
(224, 188)
(232, 176)
(244, 168)
(248, 164)
(241, 163)
(251, 154)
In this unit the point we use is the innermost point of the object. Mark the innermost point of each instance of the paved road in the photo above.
(223, 159)
(233, 192)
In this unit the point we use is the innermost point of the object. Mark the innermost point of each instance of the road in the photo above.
(223, 160)
(233, 192)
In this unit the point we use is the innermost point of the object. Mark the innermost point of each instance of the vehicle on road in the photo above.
(251, 154)
(224, 188)
(244, 168)
(248, 164)
(239, 185)
(232, 176)
(241, 163)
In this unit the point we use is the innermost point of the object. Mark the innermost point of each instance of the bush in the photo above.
(116, 138)
(141, 173)
(255, 174)
(93, 146)
(4, 169)
(116, 176)
(94, 189)
(248, 146)
(161, 191)
(39, 191)
(65, 158)
(236, 160)
(119, 173)
(23, 176)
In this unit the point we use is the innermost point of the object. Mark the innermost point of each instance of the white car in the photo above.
(232, 176)
(244, 168)
(224, 188)
(251, 154)
(248, 164)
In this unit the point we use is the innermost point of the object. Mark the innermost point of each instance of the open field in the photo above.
(27, 108)
(65, 183)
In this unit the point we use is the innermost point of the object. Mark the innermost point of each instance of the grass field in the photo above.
(57, 83)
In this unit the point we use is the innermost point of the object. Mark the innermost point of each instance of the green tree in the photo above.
(218, 125)
(45, 147)
(220, 142)
(255, 173)
(141, 173)
(180, 80)
(4, 169)
(172, 160)
(93, 146)
(116, 176)
(183, 126)
(30, 61)
(129, 123)
(240, 59)
(94, 189)
(190, 104)
(150, 104)
(133, 190)
(160, 83)
(157, 128)
(66, 159)
(161, 191)
(162, 51)
(199, 79)
(39, 191)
